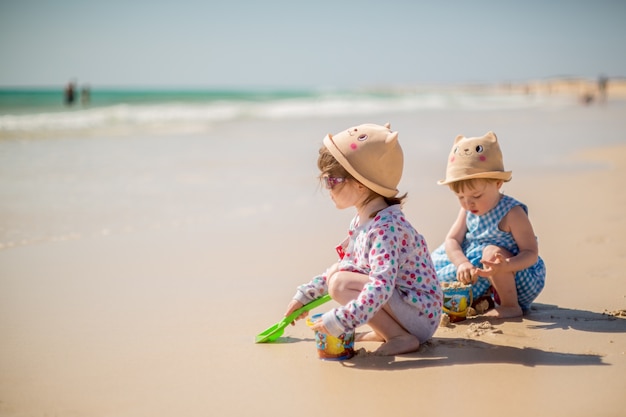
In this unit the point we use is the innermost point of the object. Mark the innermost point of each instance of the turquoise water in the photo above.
(42, 112)
(31, 101)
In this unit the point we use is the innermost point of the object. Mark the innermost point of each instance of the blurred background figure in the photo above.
(70, 93)
(85, 95)
(603, 82)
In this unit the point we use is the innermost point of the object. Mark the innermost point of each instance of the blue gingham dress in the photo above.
(482, 231)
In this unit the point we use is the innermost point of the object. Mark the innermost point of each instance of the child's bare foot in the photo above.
(501, 312)
(368, 337)
(398, 345)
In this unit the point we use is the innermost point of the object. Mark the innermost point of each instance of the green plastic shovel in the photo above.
(274, 332)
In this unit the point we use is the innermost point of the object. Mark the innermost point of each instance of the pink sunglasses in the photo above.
(330, 182)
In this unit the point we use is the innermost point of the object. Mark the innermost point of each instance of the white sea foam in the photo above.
(181, 115)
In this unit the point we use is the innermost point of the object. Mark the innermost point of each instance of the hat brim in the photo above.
(496, 175)
(334, 150)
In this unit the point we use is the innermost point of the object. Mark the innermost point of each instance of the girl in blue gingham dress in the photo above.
(482, 231)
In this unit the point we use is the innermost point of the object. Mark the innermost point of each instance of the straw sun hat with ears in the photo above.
(371, 154)
(475, 158)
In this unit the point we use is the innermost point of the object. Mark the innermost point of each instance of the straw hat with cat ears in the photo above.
(371, 154)
(478, 157)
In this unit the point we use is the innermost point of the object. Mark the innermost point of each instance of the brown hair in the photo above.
(328, 165)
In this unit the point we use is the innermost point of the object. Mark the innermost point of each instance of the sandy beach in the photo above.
(136, 272)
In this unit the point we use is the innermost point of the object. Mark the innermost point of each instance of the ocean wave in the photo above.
(198, 115)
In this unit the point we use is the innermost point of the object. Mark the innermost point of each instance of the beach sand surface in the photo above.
(142, 296)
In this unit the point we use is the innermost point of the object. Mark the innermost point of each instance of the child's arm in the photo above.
(518, 224)
(308, 292)
(466, 272)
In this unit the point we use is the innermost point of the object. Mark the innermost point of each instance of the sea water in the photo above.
(42, 112)
(131, 161)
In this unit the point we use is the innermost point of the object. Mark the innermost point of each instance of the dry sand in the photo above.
(127, 325)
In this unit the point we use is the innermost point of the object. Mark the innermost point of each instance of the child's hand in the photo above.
(319, 326)
(293, 306)
(467, 273)
(493, 266)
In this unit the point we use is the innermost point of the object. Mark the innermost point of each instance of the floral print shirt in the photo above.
(396, 258)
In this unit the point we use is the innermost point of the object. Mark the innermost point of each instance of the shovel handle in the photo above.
(309, 306)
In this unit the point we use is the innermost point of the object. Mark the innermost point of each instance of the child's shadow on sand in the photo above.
(445, 351)
(550, 316)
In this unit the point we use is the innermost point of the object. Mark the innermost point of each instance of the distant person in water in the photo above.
(70, 93)
(603, 82)
(85, 95)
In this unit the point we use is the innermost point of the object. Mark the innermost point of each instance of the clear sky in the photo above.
(303, 44)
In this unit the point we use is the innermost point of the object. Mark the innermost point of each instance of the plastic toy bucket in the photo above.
(331, 348)
(456, 300)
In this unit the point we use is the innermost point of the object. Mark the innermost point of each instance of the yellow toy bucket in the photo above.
(331, 348)
(457, 299)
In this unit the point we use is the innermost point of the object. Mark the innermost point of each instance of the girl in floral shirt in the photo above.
(384, 277)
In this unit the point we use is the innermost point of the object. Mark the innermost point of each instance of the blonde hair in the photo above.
(471, 184)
